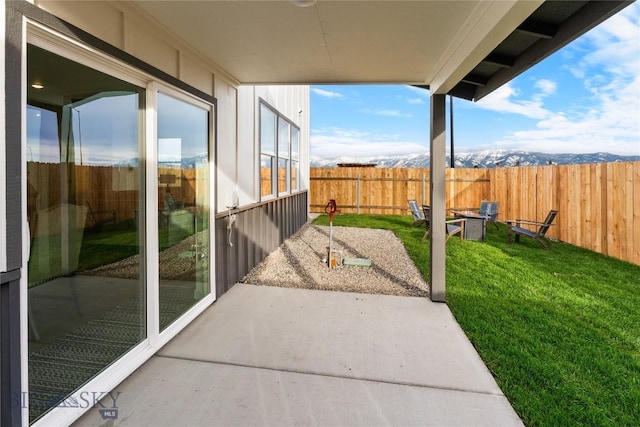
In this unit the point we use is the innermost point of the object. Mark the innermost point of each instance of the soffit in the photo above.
(465, 48)
(331, 42)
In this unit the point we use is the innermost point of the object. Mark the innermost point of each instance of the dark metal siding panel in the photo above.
(241, 245)
(13, 120)
(252, 252)
(261, 215)
(254, 247)
(234, 259)
(279, 221)
(275, 219)
(267, 221)
(272, 230)
(10, 378)
(221, 257)
(257, 232)
(10, 354)
(287, 219)
(258, 224)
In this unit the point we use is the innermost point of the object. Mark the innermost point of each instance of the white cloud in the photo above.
(577, 72)
(385, 112)
(336, 143)
(623, 26)
(415, 101)
(326, 93)
(612, 125)
(548, 87)
(502, 101)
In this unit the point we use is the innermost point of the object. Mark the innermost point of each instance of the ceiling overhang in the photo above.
(463, 48)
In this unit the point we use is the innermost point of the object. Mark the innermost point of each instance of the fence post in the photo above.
(424, 189)
(358, 194)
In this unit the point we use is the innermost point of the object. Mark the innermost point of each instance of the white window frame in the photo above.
(174, 328)
(287, 159)
(294, 160)
(276, 156)
(273, 156)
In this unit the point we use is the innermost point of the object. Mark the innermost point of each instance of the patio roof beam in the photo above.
(502, 61)
(475, 79)
(464, 90)
(541, 30)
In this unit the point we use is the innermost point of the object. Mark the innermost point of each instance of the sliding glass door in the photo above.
(183, 211)
(86, 275)
(118, 210)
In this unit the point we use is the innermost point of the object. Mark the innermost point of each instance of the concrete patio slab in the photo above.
(282, 356)
(375, 337)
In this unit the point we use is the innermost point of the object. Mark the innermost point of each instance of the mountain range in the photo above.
(481, 159)
(184, 163)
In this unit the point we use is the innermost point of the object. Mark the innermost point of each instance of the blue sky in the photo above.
(583, 99)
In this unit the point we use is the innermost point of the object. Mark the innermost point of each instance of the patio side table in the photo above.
(475, 226)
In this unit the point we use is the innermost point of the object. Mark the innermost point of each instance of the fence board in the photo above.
(586, 211)
(546, 195)
(613, 227)
(626, 235)
(635, 203)
(571, 221)
(596, 215)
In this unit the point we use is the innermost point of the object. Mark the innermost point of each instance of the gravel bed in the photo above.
(175, 264)
(298, 263)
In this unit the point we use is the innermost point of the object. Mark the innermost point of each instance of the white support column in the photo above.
(437, 198)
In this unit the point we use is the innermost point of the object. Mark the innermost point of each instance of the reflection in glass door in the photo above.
(86, 295)
(183, 211)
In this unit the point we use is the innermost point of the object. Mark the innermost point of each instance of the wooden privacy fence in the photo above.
(599, 204)
(386, 190)
(104, 189)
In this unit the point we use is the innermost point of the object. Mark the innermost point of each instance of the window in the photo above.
(280, 154)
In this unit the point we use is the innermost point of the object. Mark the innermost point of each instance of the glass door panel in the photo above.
(86, 294)
(183, 211)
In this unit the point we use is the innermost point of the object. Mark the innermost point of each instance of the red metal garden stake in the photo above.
(331, 208)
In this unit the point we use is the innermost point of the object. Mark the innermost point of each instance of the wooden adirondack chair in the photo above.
(490, 210)
(418, 217)
(514, 228)
(452, 227)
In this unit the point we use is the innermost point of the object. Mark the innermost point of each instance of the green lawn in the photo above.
(98, 248)
(559, 329)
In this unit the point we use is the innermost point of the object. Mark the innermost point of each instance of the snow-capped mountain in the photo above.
(482, 159)
(186, 163)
